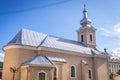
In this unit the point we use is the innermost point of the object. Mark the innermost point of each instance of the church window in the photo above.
(42, 75)
(91, 38)
(90, 73)
(72, 71)
(82, 38)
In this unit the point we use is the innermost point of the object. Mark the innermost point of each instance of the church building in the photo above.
(32, 55)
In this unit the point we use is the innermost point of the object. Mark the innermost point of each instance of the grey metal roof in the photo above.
(28, 37)
(64, 44)
(57, 59)
(39, 61)
(37, 39)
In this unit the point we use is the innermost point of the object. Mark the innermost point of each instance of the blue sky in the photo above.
(61, 18)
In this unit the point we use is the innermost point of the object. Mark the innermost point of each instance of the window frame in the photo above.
(42, 71)
(89, 69)
(82, 38)
(75, 75)
(91, 37)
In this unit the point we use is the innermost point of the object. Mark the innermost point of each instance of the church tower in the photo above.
(87, 33)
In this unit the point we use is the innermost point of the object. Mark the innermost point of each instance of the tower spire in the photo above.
(85, 12)
(87, 33)
(85, 22)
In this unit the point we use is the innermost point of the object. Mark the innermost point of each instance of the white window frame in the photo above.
(42, 71)
(75, 71)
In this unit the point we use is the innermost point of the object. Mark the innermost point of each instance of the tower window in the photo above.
(72, 71)
(82, 38)
(91, 39)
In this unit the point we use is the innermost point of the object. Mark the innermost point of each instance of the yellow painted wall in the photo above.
(16, 56)
(101, 69)
(13, 58)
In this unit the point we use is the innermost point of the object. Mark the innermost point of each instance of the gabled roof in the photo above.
(37, 39)
(28, 37)
(39, 61)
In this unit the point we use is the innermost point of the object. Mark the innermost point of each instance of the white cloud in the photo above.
(117, 28)
(112, 31)
(114, 34)
(105, 32)
(116, 52)
(1, 57)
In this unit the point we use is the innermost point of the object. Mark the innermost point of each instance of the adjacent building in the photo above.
(39, 56)
(114, 64)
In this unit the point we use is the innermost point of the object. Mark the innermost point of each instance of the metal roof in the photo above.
(39, 61)
(28, 37)
(37, 39)
(57, 59)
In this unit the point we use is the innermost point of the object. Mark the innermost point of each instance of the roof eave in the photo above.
(63, 51)
(8, 46)
(37, 65)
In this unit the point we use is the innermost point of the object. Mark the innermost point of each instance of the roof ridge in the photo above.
(28, 60)
(42, 41)
(48, 59)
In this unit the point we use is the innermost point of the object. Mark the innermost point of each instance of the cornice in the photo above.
(42, 48)
(10, 46)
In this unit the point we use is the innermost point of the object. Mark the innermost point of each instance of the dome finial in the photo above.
(85, 21)
(85, 11)
(84, 7)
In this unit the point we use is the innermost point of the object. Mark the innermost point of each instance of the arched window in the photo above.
(91, 37)
(42, 76)
(72, 71)
(82, 38)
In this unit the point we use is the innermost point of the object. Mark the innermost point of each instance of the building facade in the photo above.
(38, 56)
(114, 64)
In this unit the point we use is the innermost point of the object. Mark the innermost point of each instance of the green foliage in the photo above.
(118, 72)
(1, 64)
(111, 76)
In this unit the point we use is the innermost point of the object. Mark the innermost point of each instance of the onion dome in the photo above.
(85, 22)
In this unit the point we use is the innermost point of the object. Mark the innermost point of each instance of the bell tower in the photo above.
(87, 33)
